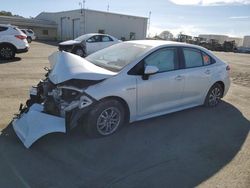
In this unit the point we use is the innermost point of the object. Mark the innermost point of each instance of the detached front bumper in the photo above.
(32, 125)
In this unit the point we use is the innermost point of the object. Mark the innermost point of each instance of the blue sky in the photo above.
(193, 17)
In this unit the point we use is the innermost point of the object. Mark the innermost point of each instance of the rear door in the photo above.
(197, 76)
(76, 28)
(106, 41)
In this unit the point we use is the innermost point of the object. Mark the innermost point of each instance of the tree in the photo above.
(166, 35)
(6, 13)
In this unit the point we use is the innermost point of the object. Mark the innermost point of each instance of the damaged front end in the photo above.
(58, 102)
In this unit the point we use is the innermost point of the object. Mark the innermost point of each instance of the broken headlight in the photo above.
(74, 95)
(85, 101)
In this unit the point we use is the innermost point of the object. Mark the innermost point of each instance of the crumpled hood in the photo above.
(69, 42)
(66, 66)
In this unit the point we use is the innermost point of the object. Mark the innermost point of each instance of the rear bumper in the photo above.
(22, 50)
(227, 84)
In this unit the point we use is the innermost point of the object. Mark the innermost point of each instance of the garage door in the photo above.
(65, 28)
(76, 28)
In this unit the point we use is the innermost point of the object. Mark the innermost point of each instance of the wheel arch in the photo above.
(123, 102)
(221, 83)
(77, 46)
(9, 44)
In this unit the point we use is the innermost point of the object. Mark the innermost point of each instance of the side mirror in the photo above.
(149, 70)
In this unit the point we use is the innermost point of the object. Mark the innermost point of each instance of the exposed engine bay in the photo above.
(58, 99)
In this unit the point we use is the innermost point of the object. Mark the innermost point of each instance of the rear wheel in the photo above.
(106, 118)
(29, 39)
(214, 95)
(7, 52)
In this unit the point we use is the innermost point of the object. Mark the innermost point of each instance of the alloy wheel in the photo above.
(79, 52)
(108, 121)
(6, 52)
(214, 96)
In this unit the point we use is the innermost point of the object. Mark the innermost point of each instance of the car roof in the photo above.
(158, 43)
(92, 34)
(164, 43)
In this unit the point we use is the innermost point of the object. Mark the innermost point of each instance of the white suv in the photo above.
(30, 34)
(12, 41)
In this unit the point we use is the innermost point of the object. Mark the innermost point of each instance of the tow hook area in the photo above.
(31, 124)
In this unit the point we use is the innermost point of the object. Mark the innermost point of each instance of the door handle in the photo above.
(207, 72)
(179, 77)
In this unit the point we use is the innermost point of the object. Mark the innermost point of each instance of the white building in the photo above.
(220, 38)
(77, 22)
(44, 29)
(246, 42)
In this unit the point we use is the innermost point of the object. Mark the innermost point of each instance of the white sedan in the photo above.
(88, 44)
(126, 82)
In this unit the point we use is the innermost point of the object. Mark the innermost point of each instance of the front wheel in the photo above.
(79, 51)
(106, 118)
(214, 95)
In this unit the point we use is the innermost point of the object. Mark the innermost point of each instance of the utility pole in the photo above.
(84, 16)
(149, 20)
(108, 7)
(82, 4)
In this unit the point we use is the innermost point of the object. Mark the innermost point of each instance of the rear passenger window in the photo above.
(96, 38)
(192, 57)
(164, 60)
(106, 39)
(207, 60)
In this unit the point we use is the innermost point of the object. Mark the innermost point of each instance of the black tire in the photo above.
(29, 39)
(214, 95)
(79, 51)
(96, 116)
(7, 52)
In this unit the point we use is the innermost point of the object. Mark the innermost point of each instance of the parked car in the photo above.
(87, 44)
(30, 34)
(12, 41)
(123, 83)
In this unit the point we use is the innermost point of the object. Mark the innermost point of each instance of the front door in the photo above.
(93, 44)
(162, 91)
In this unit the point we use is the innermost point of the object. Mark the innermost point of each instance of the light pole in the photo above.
(149, 20)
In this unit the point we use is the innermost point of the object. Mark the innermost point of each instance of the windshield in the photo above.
(81, 38)
(115, 57)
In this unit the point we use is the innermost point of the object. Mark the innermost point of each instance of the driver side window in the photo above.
(163, 59)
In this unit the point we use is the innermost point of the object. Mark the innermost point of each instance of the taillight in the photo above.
(228, 68)
(21, 37)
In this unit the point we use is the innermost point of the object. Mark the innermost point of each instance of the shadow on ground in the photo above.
(181, 149)
(2, 61)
